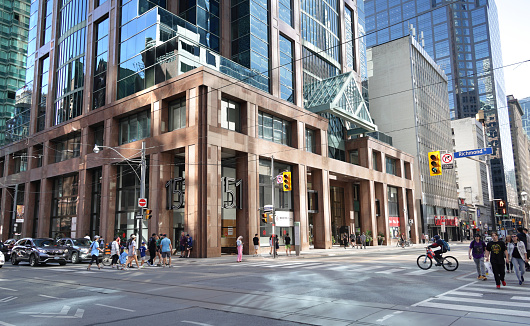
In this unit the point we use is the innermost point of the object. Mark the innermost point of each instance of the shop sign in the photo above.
(284, 218)
(175, 186)
(393, 221)
(445, 220)
(232, 189)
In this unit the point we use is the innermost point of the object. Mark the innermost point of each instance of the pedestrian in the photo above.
(521, 236)
(358, 241)
(239, 244)
(123, 258)
(158, 250)
(525, 231)
(345, 240)
(87, 236)
(143, 256)
(115, 251)
(476, 250)
(183, 242)
(363, 241)
(497, 252)
(270, 245)
(287, 241)
(152, 249)
(352, 240)
(517, 254)
(277, 241)
(189, 244)
(509, 264)
(165, 248)
(131, 252)
(402, 240)
(255, 240)
(94, 252)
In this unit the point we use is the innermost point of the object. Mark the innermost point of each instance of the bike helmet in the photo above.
(437, 237)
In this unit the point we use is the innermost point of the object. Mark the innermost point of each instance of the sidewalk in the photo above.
(318, 253)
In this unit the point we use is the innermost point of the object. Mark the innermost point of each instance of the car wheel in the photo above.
(75, 258)
(33, 261)
(14, 260)
(1, 266)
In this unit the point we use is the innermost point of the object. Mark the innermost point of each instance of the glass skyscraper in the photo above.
(14, 22)
(525, 105)
(463, 38)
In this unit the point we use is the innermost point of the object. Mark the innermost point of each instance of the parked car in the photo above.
(78, 249)
(37, 251)
(9, 244)
(3, 249)
(2, 259)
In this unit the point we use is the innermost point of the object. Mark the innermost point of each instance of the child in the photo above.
(123, 258)
(143, 257)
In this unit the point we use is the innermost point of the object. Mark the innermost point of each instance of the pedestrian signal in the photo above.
(434, 163)
(148, 214)
(287, 181)
(264, 218)
(501, 207)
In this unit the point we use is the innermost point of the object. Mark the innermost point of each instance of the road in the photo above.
(353, 287)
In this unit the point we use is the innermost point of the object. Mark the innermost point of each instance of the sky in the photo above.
(514, 24)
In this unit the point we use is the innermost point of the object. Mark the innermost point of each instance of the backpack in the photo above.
(446, 247)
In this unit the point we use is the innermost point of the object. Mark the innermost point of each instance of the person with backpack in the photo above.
(189, 244)
(440, 249)
(94, 251)
(477, 248)
(496, 250)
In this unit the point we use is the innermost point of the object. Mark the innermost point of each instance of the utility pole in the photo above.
(273, 208)
(142, 189)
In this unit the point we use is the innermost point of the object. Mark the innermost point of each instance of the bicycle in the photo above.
(449, 263)
(406, 243)
(107, 258)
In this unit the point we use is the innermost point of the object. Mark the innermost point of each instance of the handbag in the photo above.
(489, 269)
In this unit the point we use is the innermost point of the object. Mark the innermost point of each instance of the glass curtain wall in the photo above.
(204, 14)
(100, 65)
(71, 60)
(41, 111)
(286, 69)
(64, 205)
(95, 206)
(286, 11)
(178, 192)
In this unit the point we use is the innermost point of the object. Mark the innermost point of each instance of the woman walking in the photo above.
(94, 251)
(239, 249)
(115, 251)
(509, 265)
(517, 254)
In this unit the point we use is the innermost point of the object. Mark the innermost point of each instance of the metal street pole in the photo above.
(142, 190)
(273, 207)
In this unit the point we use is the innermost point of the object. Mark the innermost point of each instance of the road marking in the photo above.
(421, 272)
(391, 271)
(7, 299)
(504, 287)
(520, 298)
(8, 289)
(104, 305)
(429, 299)
(315, 265)
(389, 316)
(195, 323)
(483, 301)
(480, 309)
(62, 314)
(470, 294)
(48, 296)
(491, 289)
(5, 324)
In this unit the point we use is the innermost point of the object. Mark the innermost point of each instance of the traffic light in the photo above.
(501, 207)
(148, 213)
(287, 181)
(264, 218)
(435, 165)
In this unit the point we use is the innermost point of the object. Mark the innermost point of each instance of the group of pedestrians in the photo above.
(504, 256)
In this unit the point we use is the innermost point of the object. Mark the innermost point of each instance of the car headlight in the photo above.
(41, 251)
(65, 251)
(84, 250)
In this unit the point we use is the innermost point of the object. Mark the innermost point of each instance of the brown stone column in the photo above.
(322, 219)
(45, 207)
(299, 182)
(84, 207)
(7, 205)
(411, 209)
(108, 201)
(160, 171)
(247, 219)
(29, 208)
(402, 205)
(381, 193)
(367, 194)
(349, 207)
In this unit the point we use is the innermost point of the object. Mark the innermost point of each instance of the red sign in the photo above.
(445, 220)
(393, 221)
(142, 202)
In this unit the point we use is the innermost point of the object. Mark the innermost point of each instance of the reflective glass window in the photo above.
(230, 115)
(177, 114)
(135, 127)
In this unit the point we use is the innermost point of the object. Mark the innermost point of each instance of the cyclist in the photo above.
(402, 240)
(438, 253)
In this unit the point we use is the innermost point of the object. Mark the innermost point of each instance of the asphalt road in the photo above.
(353, 287)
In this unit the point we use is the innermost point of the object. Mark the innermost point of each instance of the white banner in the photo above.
(284, 219)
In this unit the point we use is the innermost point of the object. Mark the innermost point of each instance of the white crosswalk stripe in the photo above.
(473, 298)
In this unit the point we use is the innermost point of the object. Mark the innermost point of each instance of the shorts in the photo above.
(182, 248)
(287, 246)
(165, 254)
(144, 258)
(256, 247)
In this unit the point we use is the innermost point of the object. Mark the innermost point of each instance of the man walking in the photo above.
(477, 248)
(287, 241)
(525, 231)
(152, 249)
(183, 241)
(165, 247)
(363, 241)
(255, 240)
(496, 250)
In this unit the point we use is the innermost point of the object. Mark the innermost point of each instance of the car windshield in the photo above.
(44, 242)
(81, 242)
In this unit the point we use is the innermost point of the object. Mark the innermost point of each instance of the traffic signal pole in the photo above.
(273, 179)
(142, 190)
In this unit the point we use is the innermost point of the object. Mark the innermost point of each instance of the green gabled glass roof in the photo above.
(340, 96)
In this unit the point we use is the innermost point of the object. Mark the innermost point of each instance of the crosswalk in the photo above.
(380, 269)
(483, 297)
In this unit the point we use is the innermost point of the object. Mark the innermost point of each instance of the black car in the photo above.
(37, 251)
(6, 248)
(78, 249)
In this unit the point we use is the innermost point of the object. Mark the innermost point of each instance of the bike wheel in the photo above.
(449, 263)
(424, 262)
(106, 261)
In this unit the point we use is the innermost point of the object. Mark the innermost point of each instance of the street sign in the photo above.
(279, 178)
(19, 220)
(474, 152)
(447, 158)
(142, 202)
(139, 215)
(268, 208)
(447, 166)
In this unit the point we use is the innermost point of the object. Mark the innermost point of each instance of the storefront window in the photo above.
(18, 207)
(64, 205)
(229, 231)
(96, 202)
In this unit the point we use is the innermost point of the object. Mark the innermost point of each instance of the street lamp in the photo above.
(141, 176)
(524, 198)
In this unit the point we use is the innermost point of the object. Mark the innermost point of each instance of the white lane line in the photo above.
(483, 310)
(195, 323)
(504, 287)
(7, 299)
(391, 271)
(301, 266)
(502, 290)
(5, 324)
(458, 288)
(367, 268)
(389, 316)
(104, 305)
(469, 294)
(47, 296)
(421, 272)
(483, 301)
(520, 298)
(8, 289)
(315, 265)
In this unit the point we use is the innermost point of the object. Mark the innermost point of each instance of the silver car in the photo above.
(79, 249)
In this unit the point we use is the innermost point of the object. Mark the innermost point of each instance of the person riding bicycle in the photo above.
(437, 253)
(402, 240)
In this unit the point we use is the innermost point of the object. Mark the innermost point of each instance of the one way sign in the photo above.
(447, 161)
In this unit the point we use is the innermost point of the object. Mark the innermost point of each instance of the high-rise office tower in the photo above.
(463, 37)
(525, 106)
(14, 22)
